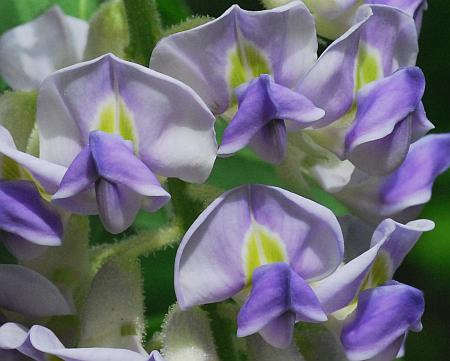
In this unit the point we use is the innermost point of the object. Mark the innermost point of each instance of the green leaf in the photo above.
(173, 11)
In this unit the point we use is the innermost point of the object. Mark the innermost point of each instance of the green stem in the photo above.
(144, 24)
(185, 208)
(223, 330)
(135, 246)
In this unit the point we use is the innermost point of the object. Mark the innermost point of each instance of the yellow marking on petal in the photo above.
(246, 62)
(262, 247)
(380, 272)
(369, 67)
(53, 358)
(344, 312)
(11, 170)
(115, 118)
(128, 329)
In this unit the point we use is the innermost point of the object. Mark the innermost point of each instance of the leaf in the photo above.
(173, 11)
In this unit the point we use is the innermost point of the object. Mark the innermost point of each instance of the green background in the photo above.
(427, 267)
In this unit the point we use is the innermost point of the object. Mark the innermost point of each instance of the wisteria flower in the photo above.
(253, 59)
(373, 93)
(374, 312)
(335, 17)
(265, 239)
(32, 51)
(113, 125)
(39, 343)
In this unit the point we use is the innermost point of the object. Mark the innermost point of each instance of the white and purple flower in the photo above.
(253, 59)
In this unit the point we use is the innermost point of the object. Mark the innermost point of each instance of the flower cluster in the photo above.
(110, 137)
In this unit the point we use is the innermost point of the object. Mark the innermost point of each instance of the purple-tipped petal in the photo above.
(382, 156)
(382, 104)
(260, 120)
(115, 162)
(219, 252)
(384, 314)
(118, 205)
(175, 139)
(27, 292)
(24, 213)
(279, 297)
(32, 51)
(412, 182)
(241, 45)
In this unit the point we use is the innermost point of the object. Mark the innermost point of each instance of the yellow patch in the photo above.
(262, 247)
(114, 118)
(380, 272)
(246, 62)
(369, 67)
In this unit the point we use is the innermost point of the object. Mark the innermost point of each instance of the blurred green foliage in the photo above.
(427, 267)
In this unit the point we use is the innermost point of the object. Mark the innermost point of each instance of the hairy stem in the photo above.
(144, 24)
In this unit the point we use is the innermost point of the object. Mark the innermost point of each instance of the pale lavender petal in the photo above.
(44, 340)
(288, 55)
(310, 232)
(330, 84)
(397, 45)
(21, 248)
(383, 315)
(14, 337)
(32, 51)
(27, 215)
(278, 298)
(384, 103)
(27, 292)
(208, 267)
(398, 239)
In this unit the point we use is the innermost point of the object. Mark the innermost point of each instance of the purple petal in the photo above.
(21, 248)
(289, 54)
(222, 239)
(27, 292)
(117, 205)
(382, 156)
(420, 123)
(384, 103)
(263, 107)
(115, 162)
(278, 298)
(384, 314)
(75, 192)
(27, 215)
(411, 184)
